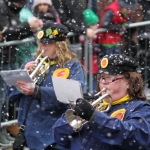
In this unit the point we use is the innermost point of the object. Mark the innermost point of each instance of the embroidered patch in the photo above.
(51, 33)
(104, 63)
(62, 73)
(40, 34)
(48, 32)
(55, 32)
(119, 114)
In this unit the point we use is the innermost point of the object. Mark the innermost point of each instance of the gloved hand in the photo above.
(89, 96)
(83, 109)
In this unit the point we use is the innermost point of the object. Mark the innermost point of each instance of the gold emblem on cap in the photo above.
(55, 32)
(40, 34)
(104, 63)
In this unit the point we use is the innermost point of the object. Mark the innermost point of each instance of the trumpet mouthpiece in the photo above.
(97, 94)
(42, 51)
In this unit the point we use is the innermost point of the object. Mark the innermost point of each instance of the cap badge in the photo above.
(40, 34)
(104, 63)
(48, 32)
(55, 32)
(51, 33)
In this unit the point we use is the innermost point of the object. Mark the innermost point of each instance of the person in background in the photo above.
(44, 9)
(71, 15)
(92, 20)
(125, 125)
(115, 18)
(12, 29)
(25, 50)
(84, 4)
(45, 108)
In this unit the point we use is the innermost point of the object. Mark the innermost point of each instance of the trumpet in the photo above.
(77, 122)
(38, 71)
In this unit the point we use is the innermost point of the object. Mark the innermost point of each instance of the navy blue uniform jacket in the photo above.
(109, 133)
(44, 113)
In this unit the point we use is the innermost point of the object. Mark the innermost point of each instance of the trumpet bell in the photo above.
(75, 121)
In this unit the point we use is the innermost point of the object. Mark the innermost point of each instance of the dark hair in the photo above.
(136, 86)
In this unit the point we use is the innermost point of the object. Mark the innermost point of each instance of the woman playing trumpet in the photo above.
(46, 109)
(125, 126)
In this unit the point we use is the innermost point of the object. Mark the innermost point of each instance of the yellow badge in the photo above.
(40, 34)
(62, 73)
(104, 63)
(119, 114)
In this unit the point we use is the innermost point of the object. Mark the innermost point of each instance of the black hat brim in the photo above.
(114, 70)
(48, 41)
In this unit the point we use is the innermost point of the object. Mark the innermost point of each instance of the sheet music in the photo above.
(67, 90)
(12, 76)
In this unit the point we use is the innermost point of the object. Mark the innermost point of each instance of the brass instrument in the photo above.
(38, 71)
(77, 122)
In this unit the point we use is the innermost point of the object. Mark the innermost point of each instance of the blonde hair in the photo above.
(64, 54)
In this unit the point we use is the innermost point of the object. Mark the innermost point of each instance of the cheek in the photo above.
(39, 7)
(115, 89)
(45, 9)
(119, 91)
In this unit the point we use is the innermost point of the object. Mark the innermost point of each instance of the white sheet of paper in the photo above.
(12, 76)
(67, 90)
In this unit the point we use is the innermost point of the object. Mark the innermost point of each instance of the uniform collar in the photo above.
(119, 101)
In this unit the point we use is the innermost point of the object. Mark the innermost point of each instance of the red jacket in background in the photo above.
(112, 37)
(94, 56)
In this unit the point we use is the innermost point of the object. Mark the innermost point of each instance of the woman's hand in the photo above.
(35, 23)
(26, 87)
(30, 66)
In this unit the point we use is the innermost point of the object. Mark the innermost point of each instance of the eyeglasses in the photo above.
(110, 79)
